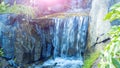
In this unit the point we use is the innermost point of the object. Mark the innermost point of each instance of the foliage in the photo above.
(3, 7)
(1, 52)
(110, 58)
(17, 9)
(114, 13)
(91, 59)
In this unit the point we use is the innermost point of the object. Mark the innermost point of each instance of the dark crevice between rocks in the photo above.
(103, 41)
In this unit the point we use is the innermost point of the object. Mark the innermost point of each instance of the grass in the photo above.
(89, 61)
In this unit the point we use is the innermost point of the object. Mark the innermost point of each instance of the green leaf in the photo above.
(116, 63)
(108, 16)
(115, 6)
(113, 48)
(107, 66)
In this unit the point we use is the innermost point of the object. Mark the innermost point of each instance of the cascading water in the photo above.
(70, 36)
(69, 41)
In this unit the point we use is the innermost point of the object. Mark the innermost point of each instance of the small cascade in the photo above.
(70, 37)
(69, 42)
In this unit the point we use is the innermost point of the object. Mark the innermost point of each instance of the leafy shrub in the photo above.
(17, 9)
(114, 13)
(110, 58)
(3, 7)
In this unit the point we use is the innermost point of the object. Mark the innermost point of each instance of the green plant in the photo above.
(1, 52)
(3, 7)
(17, 9)
(110, 58)
(114, 13)
(89, 61)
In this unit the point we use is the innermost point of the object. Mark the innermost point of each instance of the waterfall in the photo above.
(70, 36)
(69, 41)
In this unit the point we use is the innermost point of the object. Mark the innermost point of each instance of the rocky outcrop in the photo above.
(98, 27)
(21, 41)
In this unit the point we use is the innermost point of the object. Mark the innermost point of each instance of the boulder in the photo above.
(98, 28)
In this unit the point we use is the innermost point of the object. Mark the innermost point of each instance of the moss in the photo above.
(89, 61)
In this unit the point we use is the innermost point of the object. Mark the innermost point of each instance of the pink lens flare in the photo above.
(48, 2)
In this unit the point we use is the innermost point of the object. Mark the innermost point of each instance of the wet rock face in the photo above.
(98, 27)
(21, 41)
(43, 27)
